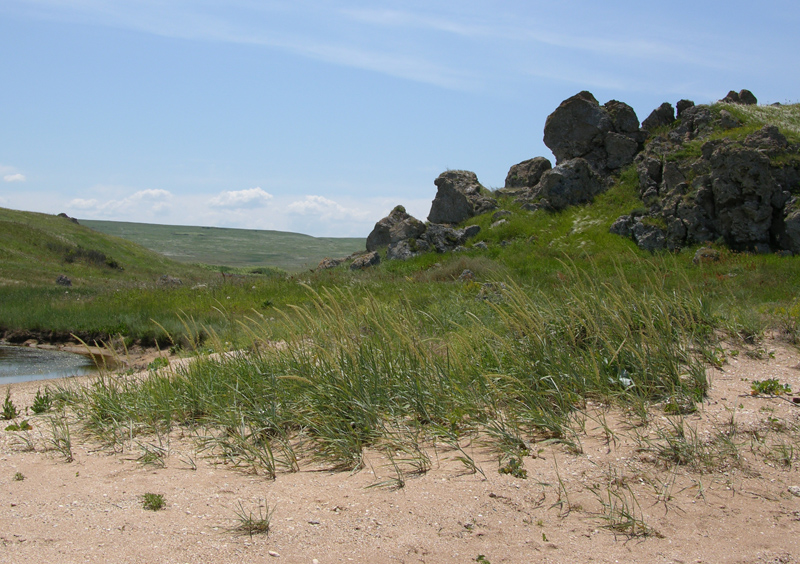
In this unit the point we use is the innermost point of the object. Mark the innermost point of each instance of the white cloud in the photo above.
(14, 177)
(147, 202)
(252, 197)
(81, 204)
(326, 209)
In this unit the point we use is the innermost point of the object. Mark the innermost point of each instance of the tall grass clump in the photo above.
(352, 369)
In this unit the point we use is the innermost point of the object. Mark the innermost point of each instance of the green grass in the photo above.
(153, 502)
(244, 248)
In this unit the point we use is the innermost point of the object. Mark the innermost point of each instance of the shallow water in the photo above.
(25, 364)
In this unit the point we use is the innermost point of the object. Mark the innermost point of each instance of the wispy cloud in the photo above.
(468, 47)
(11, 174)
(252, 197)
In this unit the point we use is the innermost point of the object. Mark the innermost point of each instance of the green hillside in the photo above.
(231, 247)
(35, 248)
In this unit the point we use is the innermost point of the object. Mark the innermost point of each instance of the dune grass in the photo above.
(355, 372)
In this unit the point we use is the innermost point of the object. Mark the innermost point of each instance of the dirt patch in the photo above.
(624, 491)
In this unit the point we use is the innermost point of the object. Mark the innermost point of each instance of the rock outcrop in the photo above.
(742, 97)
(569, 183)
(525, 175)
(695, 187)
(397, 226)
(607, 137)
(459, 197)
(731, 192)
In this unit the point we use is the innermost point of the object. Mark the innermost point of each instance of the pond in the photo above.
(25, 364)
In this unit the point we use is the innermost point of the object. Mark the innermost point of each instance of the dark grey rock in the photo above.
(731, 98)
(648, 237)
(727, 120)
(620, 150)
(748, 98)
(577, 128)
(459, 197)
(65, 216)
(572, 182)
(790, 239)
(623, 118)
(63, 280)
(768, 139)
(444, 238)
(663, 115)
(365, 261)
(527, 173)
(682, 106)
(607, 137)
(623, 226)
(401, 250)
(397, 226)
(743, 189)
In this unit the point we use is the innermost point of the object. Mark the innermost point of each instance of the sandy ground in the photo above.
(742, 511)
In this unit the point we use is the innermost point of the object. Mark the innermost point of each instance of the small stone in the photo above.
(313, 522)
(274, 554)
(794, 490)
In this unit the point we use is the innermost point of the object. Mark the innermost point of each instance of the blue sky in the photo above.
(318, 116)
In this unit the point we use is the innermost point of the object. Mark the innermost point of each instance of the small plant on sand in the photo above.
(251, 523)
(770, 387)
(42, 402)
(9, 409)
(621, 511)
(153, 502)
(19, 476)
(515, 467)
(23, 426)
(60, 437)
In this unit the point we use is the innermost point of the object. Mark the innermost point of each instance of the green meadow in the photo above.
(231, 247)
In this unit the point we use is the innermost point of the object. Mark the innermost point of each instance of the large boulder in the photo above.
(790, 239)
(527, 173)
(607, 137)
(572, 182)
(742, 97)
(397, 226)
(459, 196)
(577, 128)
(744, 190)
(662, 115)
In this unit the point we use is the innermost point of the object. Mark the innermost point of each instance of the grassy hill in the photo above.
(231, 247)
(35, 248)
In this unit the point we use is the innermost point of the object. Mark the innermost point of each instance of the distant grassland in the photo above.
(231, 247)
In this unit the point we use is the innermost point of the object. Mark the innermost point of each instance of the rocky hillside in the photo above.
(727, 173)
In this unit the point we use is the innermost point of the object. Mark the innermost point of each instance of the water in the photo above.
(25, 364)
